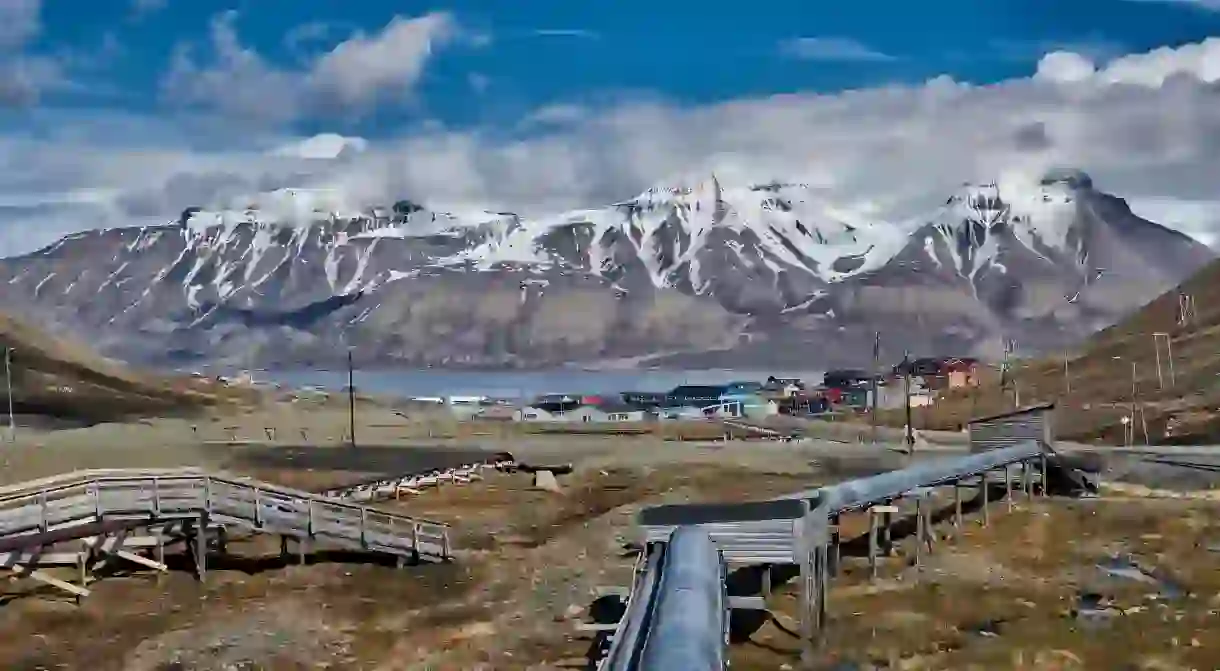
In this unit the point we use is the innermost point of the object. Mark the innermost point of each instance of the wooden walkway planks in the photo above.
(73, 505)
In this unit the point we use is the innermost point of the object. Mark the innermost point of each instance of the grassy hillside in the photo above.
(1100, 375)
(55, 378)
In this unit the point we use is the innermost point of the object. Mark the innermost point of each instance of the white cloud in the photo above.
(1211, 5)
(1065, 67)
(832, 49)
(323, 146)
(557, 114)
(144, 7)
(23, 76)
(567, 32)
(353, 77)
(1146, 126)
(19, 22)
(478, 82)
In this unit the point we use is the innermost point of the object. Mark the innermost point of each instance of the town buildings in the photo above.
(839, 391)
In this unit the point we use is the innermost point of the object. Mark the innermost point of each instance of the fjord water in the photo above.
(515, 384)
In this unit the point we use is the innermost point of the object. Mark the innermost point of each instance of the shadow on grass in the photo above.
(748, 580)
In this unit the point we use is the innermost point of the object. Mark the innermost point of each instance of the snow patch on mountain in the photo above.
(783, 226)
(686, 236)
(972, 226)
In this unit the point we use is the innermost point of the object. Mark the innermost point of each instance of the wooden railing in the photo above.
(84, 497)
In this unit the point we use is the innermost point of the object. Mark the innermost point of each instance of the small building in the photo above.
(616, 411)
(644, 399)
(744, 404)
(890, 396)
(557, 403)
(940, 374)
(532, 413)
(961, 373)
(603, 412)
(846, 379)
(497, 412)
(856, 397)
(681, 412)
(743, 387)
(782, 387)
(696, 395)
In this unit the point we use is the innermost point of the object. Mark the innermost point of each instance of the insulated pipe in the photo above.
(689, 624)
(854, 494)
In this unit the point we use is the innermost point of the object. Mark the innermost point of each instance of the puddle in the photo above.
(1093, 610)
(987, 628)
(1127, 569)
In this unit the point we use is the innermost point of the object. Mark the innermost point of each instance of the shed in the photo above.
(698, 395)
(531, 413)
(644, 399)
(751, 405)
(613, 411)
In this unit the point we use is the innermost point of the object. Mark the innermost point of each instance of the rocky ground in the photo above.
(1016, 594)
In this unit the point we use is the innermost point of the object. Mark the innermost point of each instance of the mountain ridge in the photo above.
(705, 269)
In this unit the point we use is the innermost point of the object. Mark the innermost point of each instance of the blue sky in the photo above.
(545, 52)
(117, 112)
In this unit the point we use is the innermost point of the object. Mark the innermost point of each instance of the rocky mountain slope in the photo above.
(698, 274)
(57, 382)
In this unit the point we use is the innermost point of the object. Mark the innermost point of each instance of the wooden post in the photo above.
(1008, 487)
(82, 562)
(766, 581)
(1025, 476)
(887, 530)
(201, 547)
(919, 534)
(812, 536)
(872, 543)
(1042, 459)
(159, 547)
(804, 544)
(957, 505)
(986, 495)
(833, 548)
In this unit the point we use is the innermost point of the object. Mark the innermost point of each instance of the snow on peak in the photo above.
(1038, 211)
(778, 226)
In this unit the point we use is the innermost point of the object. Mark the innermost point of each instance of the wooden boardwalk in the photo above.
(85, 518)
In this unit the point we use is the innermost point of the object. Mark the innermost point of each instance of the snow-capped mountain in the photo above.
(747, 274)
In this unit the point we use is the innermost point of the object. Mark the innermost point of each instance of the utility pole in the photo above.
(872, 414)
(1156, 344)
(1186, 309)
(1004, 369)
(8, 383)
(351, 397)
(1067, 376)
(1160, 379)
(906, 396)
